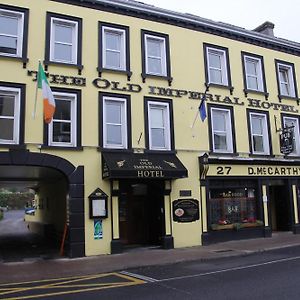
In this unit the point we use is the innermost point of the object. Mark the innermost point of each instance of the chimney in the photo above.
(265, 28)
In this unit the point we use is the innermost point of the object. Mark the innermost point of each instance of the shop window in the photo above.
(294, 123)
(156, 56)
(259, 133)
(286, 79)
(217, 65)
(64, 130)
(63, 39)
(233, 208)
(253, 72)
(158, 125)
(10, 110)
(221, 130)
(13, 31)
(115, 123)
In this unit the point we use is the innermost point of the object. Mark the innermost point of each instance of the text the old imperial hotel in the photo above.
(129, 159)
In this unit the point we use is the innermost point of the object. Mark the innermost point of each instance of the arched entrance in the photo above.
(20, 165)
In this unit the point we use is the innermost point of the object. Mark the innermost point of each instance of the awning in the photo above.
(146, 165)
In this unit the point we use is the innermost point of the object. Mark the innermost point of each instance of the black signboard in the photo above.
(185, 210)
(286, 140)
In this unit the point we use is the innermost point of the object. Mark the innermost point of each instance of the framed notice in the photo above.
(98, 208)
(98, 204)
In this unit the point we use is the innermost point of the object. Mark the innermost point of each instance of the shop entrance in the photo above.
(280, 206)
(141, 213)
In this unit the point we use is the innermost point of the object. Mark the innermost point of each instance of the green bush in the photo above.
(1, 214)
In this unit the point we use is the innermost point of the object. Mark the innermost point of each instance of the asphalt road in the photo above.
(17, 243)
(268, 275)
(13, 223)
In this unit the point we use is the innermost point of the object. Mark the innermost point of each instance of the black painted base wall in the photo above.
(229, 235)
(167, 242)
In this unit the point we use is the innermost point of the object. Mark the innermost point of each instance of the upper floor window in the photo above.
(286, 79)
(115, 121)
(158, 125)
(253, 72)
(63, 39)
(64, 130)
(156, 56)
(114, 53)
(13, 31)
(259, 133)
(290, 121)
(217, 65)
(221, 129)
(11, 114)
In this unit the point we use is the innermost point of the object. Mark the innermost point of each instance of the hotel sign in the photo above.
(143, 166)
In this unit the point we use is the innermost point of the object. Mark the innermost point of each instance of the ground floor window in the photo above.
(233, 208)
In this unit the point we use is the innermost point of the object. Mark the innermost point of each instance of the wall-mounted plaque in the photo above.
(185, 210)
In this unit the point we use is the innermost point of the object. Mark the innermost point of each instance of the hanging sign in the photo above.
(286, 140)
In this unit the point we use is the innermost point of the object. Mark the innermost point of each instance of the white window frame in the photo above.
(265, 134)
(19, 36)
(122, 34)
(224, 65)
(16, 93)
(73, 122)
(166, 126)
(227, 133)
(163, 57)
(290, 80)
(74, 44)
(259, 73)
(296, 151)
(123, 124)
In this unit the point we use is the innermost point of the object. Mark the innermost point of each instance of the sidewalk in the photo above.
(64, 267)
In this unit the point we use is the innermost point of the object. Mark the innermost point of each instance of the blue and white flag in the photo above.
(202, 109)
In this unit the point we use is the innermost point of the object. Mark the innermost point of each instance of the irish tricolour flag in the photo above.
(49, 102)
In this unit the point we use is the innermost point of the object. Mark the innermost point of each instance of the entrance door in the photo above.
(280, 207)
(141, 212)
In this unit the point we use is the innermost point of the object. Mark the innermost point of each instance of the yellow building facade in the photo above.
(127, 160)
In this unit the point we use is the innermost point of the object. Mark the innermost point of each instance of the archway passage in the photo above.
(57, 204)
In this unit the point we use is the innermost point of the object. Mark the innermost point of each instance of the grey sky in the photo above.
(244, 13)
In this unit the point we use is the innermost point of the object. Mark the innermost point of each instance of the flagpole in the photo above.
(36, 92)
(201, 102)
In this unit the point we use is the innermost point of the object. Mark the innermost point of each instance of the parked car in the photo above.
(29, 211)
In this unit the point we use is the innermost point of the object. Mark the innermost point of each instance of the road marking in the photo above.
(231, 269)
(77, 284)
(142, 277)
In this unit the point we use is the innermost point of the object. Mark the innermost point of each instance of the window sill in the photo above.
(248, 91)
(168, 78)
(77, 66)
(281, 97)
(221, 86)
(127, 72)
(160, 151)
(262, 155)
(24, 60)
(291, 157)
(14, 146)
(223, 153)
(102, 149)
(77, 148)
